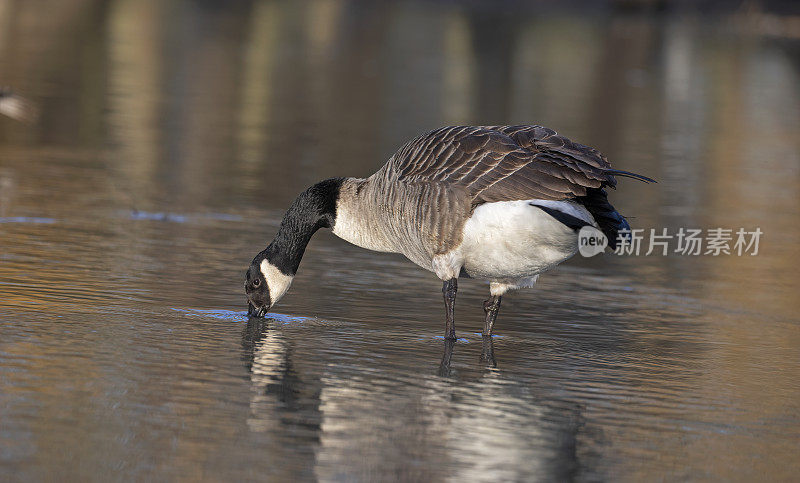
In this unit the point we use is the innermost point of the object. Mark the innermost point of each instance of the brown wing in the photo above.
(503, 163)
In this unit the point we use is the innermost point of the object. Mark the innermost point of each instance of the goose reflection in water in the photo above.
(487, 355)
(277, 386)
(364, 421)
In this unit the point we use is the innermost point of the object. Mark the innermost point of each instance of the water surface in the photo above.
(171, 138)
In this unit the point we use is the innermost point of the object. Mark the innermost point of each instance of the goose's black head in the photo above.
(257, 290)
(271, 272)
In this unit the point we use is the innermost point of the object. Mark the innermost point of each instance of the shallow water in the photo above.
(170, 140)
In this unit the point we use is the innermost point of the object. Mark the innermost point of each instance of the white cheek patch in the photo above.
(277, 282)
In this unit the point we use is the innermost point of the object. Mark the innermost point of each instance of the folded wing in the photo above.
(504, 163)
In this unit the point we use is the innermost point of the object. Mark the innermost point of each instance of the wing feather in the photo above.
(503, 163)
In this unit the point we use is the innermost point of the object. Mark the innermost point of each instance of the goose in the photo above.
(501, 204)
(15, 106)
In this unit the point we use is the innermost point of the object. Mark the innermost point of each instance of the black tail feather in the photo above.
(628, 174)
(606, 216)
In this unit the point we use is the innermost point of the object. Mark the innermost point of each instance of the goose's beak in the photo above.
(253, 311)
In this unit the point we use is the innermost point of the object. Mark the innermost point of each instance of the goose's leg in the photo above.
(449, 289)
(491, 307)
(444, 366)
(487, 351)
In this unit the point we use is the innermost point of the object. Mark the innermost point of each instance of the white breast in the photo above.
(355, 225)
(514, 240)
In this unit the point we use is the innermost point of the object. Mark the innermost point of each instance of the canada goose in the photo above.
(498, 203)
(15, 106)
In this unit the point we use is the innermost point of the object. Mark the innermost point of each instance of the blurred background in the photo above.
(155, 146)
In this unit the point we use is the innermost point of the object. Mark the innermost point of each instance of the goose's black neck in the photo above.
(313, 209)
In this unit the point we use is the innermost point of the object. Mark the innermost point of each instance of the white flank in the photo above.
(277, 282)
(499, 288)
(572, 209)
(448, 265)
(511, 242)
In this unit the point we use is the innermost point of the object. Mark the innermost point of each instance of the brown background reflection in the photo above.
(170, 137)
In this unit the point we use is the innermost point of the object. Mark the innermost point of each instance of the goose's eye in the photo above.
(256, 282)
